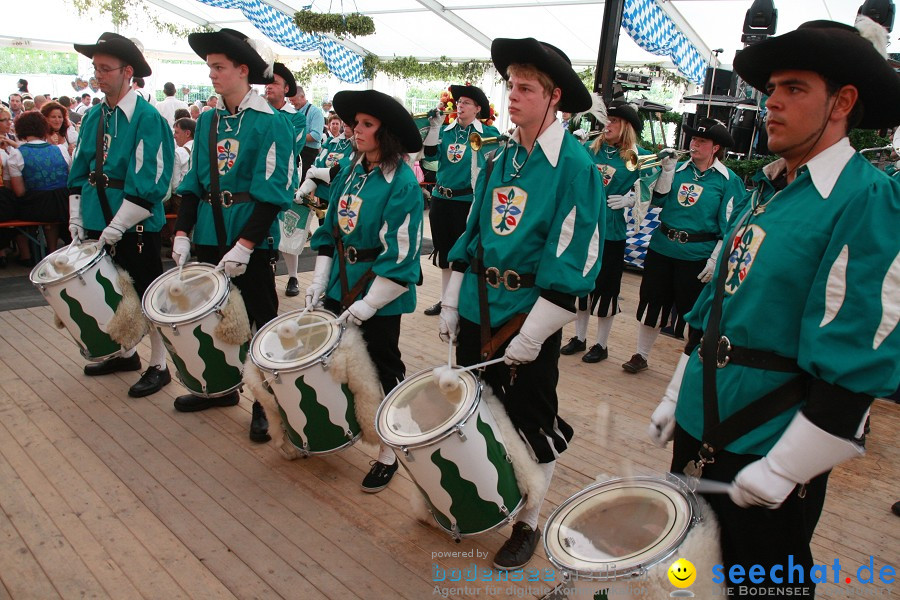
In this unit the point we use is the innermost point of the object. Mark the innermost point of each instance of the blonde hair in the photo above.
(3, 109)
(627, 140)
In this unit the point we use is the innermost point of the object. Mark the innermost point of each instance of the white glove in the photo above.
(435, 120)
(181, 250)
(706, 274)
(803, 452)
(662, 421)
(323, 174)
(321, 275)
(581, 134)
(544, 319)
(128, 215)
(76, 225)
(449, 325)
(234, 263)
(306, 190)
(617, 202)
(667, 160)
(382, 292)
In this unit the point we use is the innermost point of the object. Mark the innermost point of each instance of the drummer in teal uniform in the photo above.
(368, 247)
(800, 323)
(119, 198)
(282, 87)
(697, 198)
(337, 153)
(451, 197)
(532, 245)
(610, 151)
(254, 166)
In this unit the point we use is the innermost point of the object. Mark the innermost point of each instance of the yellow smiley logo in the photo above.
(682, 573)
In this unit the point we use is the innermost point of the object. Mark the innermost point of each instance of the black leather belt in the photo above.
(511, 280)
(104, 181)
(355, 255)
(448, 193)
(683, 237)
(229, 198)
(727, 354)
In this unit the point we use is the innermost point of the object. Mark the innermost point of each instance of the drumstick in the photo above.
(449, 352)
(704, 486)
(199, 275)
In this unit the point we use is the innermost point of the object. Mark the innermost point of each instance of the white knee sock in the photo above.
(157, 350)
(129, 353)
(604, 326)
(445, 279)
(582, 317)
(645, 338)
(531, 513)
(290, 261)
(386, 455)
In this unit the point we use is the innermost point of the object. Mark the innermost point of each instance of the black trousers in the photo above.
(144, 264)
(308, 156)
(257, 284)
(382, 337)
(448, 222)
(759, 536)
(668, 282)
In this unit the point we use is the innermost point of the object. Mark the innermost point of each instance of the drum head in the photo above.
(66, 262)
(417, 413)
(278, 346)
(612, 529)
(171, 299)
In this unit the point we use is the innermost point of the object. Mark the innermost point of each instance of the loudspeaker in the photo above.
(725, 83)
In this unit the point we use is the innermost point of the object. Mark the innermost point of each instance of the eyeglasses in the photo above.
(106, 70)
(466, 103)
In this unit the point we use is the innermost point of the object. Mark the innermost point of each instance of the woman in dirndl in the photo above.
(368, 246)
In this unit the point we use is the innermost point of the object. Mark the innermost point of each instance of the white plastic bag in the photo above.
(294, 229)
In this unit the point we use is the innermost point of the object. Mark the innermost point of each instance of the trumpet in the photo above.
(477, 142)
(649, 161)
(425, 114)
(878, 149)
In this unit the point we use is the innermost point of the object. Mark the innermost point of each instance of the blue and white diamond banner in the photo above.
(280, 28)
(652, 29)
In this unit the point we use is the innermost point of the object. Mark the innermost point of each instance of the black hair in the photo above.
(187, 124)
(856, 113)
(169, 88)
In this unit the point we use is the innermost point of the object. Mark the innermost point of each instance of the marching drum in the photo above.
(186, 308)
(622, 535)
(452, 448)
(317, 412)
(81, 284)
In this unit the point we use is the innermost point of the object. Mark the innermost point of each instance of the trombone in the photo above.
(477, 142)
(425, 114)
(878, 149)
(649, 161)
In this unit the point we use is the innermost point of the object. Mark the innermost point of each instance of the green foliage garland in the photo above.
(353, 24)
(309, 70)
(27, 60)
(121, 13)
(669, 78)
(408, 67)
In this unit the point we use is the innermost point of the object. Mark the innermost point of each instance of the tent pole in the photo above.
(605, 72)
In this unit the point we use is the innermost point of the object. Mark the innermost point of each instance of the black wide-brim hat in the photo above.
(285, 73)
(393, 116)
(836, 52)
(475, 94)
(711, 129)
(628, 112)
(120, 47)
(236, 46)
(548, 59)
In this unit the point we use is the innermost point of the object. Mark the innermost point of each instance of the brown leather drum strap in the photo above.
(98, 169)
(348, 294)
(509, 329)
(484, 311)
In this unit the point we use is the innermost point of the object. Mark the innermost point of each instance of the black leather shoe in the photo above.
(636, 364)
(518, 549)
(379, 476)
(259, 425)
(574, 345)
(293, 288)
(152, 380)
(192, 403)
(434, 309)
(113, 365)
(595, 354)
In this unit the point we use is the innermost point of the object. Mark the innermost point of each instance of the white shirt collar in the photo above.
(550, 141)
(253, 101)
(126, 103)
(717, 165)
(824, 168)
(476, 123)
(288, 108)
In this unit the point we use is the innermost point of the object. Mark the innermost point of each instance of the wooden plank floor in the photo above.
(104, 496)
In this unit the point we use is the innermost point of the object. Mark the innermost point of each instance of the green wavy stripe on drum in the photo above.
(506, 476)
(189, 381)
(109, 291)
(472, 513)
(321, 434)
(97, 342)
(351, 409)
(217, 373)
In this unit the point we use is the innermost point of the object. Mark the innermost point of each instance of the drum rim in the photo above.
(68, 276)
(674, 483)
(195, 319)
(304, 365)
(450, 428)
